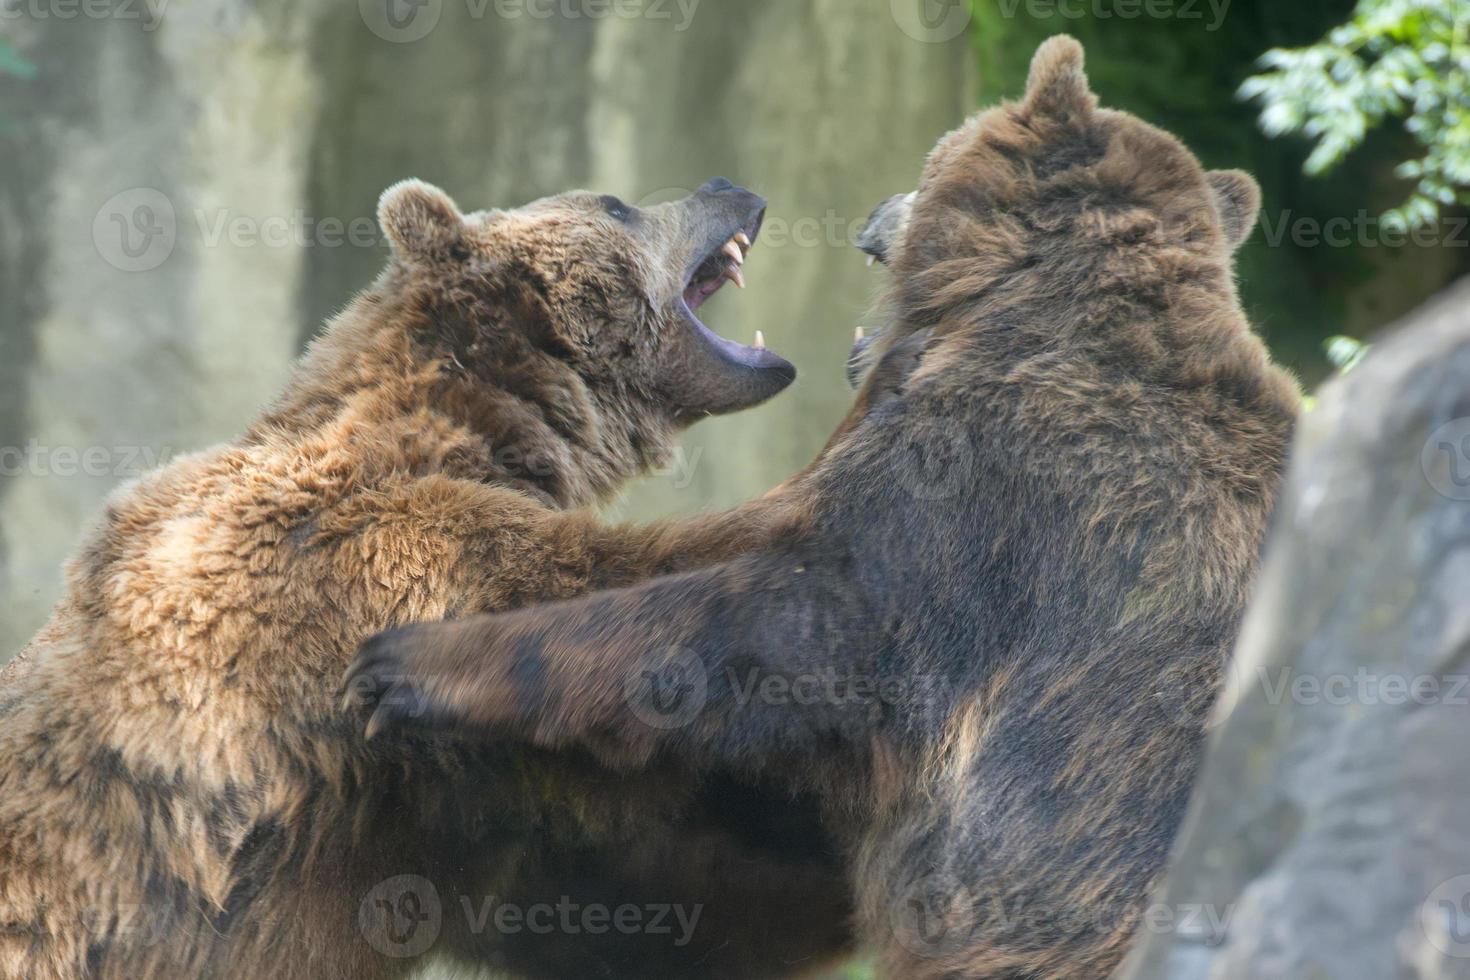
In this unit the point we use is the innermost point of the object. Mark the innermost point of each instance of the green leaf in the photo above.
(1395, 59)
(11, 62)
(1345, 352)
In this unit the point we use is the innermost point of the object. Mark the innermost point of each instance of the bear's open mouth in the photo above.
(724, 263)
(719, 267)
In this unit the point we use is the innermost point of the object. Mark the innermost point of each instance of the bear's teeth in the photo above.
(742, 238)
(760, 340)
(858, 334)
(733, 272)
(871, 260)
(733, 250)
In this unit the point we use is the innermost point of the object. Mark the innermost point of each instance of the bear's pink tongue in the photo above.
(698, 292)
(720, 267)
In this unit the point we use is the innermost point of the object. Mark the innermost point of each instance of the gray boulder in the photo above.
(1330, 834)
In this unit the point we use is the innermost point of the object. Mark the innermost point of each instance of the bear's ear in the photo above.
(422, 223)
(1057, 85)
(1238, 199)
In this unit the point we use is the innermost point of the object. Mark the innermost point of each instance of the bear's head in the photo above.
(1053, 198)
(1056, 149)
(584, 304)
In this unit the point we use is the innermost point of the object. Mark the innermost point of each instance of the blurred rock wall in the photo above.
(189, 185)
(1327, 836)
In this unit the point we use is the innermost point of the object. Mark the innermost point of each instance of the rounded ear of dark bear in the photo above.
(422, 223)
(1057, 85)
(1238, 199)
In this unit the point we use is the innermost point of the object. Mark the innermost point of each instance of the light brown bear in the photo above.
(180, 794)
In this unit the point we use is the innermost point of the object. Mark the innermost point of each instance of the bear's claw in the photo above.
(380, 679)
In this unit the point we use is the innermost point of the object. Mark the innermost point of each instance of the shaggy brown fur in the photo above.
(180, 795)
(992, 645)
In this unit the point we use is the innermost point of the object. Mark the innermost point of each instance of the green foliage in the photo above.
(1344, 353)
(1394, 58)
(1179, 74)
(12, 65)
(11, 62)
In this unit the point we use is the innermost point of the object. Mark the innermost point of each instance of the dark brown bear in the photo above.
(992, 645)
(180, 794)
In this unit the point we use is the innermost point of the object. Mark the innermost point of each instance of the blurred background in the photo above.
(187, 189)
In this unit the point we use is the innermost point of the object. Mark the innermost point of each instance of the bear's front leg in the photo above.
(707, 666)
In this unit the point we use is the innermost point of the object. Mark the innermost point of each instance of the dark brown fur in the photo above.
(1027, 554)
(180, 794)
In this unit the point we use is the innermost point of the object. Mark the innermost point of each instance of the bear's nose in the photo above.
(715, 185)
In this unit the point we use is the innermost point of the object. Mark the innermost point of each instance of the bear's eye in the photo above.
(616, 208)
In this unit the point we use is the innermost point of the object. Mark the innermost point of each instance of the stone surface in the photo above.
(1329, 838)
